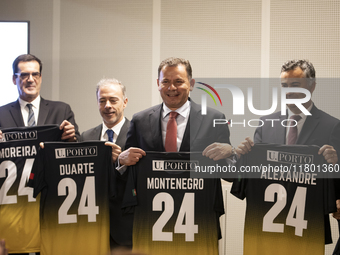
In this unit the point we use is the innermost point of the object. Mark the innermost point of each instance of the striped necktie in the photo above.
(31, 119)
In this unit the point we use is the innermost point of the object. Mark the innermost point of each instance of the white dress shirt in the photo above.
(116, 129)
(24, 109)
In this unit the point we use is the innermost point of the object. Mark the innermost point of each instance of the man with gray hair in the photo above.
(112, 100)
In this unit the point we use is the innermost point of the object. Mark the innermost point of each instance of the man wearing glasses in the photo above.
(32, 110)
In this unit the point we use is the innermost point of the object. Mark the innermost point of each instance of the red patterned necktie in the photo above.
(171, 133)
(293, 132)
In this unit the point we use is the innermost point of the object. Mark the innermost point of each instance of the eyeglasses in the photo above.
(24, 76)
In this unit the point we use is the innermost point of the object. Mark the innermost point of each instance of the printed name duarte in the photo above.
(292, 158)
(19, 136)
(20, 151)
(80, 168)
(175, 183)
(174, 165)
(90, 151)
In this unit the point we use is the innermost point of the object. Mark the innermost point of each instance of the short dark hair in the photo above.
(175, 62)
(25, 58)
(305, 65)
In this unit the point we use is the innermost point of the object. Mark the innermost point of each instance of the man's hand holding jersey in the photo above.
(131, 156)
(244, 147)
(327, 151)
(218, 151)
(116, 150)
(69, 133)
(215, 151)
(329, 154)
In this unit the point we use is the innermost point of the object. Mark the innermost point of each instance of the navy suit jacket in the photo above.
(50, 112)
(145, 130)
(120, 225)
(317, 130)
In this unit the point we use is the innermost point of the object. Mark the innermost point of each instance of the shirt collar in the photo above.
(116, 128)
(35, 102)
(183, 110)
(303, 116)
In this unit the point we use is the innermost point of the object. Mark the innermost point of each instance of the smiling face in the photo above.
(296, 79)
(28, 87)
(111, 104)
(174, 86)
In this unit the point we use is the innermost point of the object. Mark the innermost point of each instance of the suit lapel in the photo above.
(121, 139)
(43, 112)
(97, 132)
(16, 114)
(280, 136)
(308, 127)
(156, 129)
(191, 131)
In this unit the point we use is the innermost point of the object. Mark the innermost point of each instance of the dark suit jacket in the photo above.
(145, 130)
(120, 225)
(316, 130)
(50, 112)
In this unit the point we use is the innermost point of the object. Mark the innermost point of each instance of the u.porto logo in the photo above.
(290, 158)
(174, 165)
(90, 151)
(19, 136)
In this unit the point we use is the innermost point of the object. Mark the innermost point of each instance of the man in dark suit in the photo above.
(195, 132)
(31, 109)
(314, 129)
(112, 100)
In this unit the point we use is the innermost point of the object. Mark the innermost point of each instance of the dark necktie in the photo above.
(293, 131)
(110, 133)
(171, 133)
(31, 119)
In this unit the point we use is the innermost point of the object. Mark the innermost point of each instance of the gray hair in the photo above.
(305, 65)
(110, 81)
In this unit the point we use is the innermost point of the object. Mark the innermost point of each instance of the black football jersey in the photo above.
(19, 210)
(174, 213)
(286, 200)
(75, 181)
